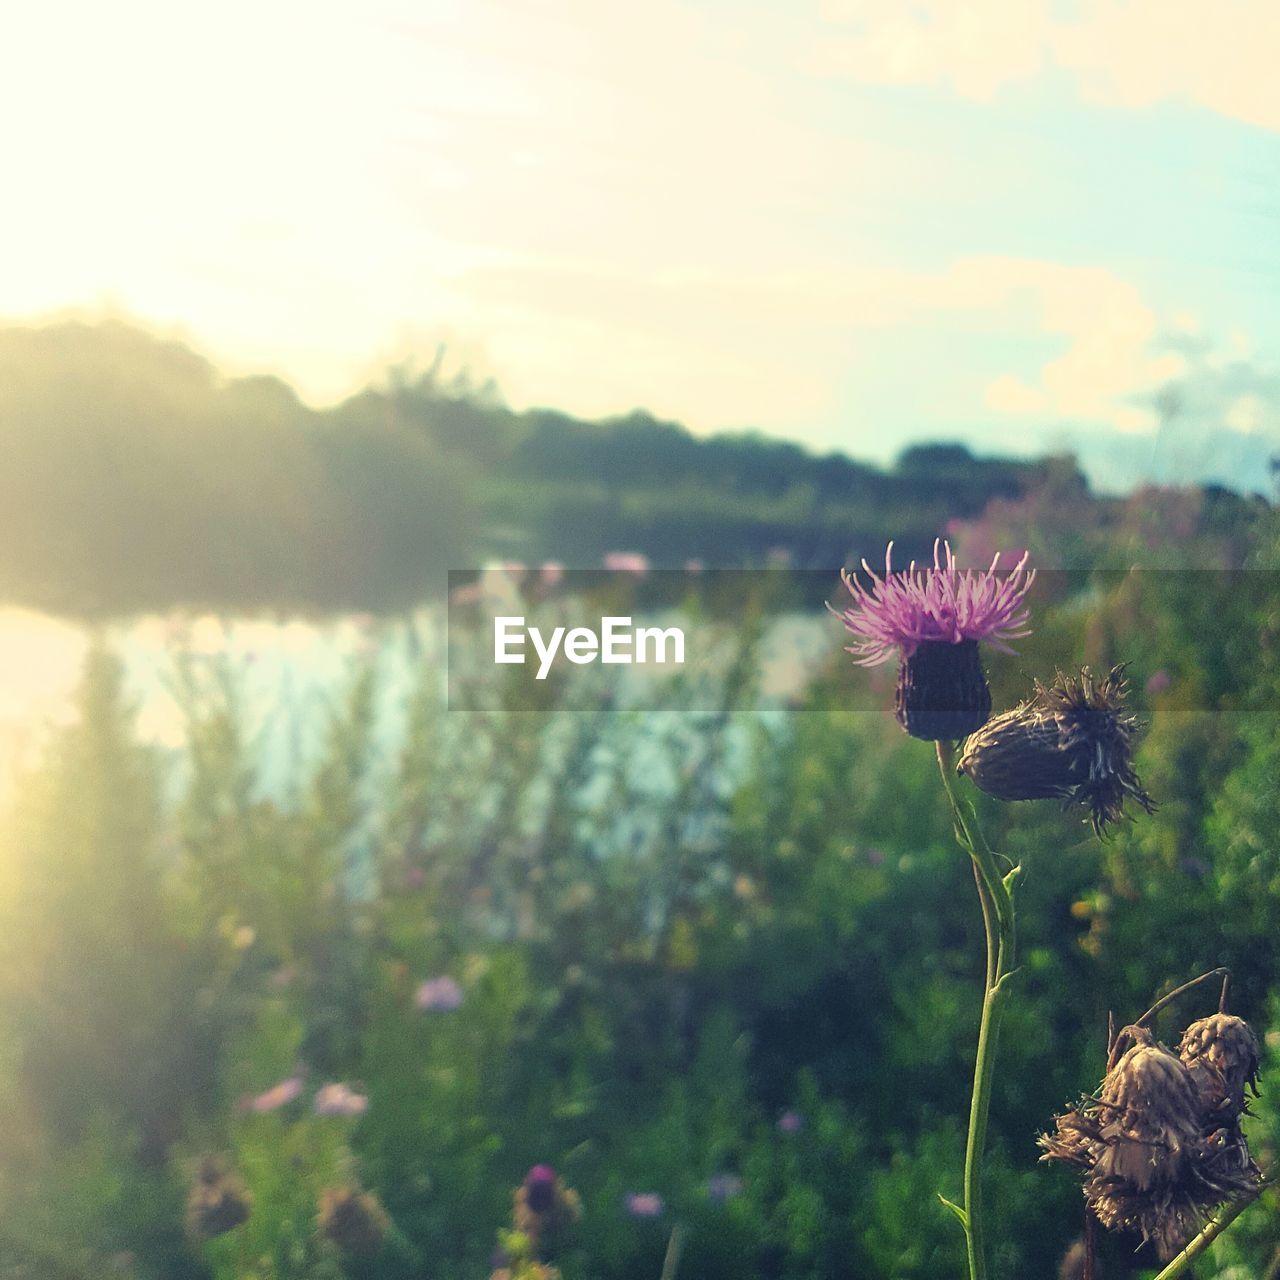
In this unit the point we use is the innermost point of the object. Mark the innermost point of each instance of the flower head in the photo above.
(643, 1204)
(544, 1209)
(354, 1221)
(933, 618)
(1072, 740)
(279, 1095)
(790, 1122)
(1221, 1052)
(1154, 1157)
(942, 604)
(540, 1188)
(439, 995)
(339, 1100)
(724, 1186)
(218, 1203)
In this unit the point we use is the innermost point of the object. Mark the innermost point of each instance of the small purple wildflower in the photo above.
(644, 1204)
(724, 1186)
(439, 995)
(279, 1095)
(1158, 682)
(626, 562)
(903, 610)
(339, 1100)
(790, 1121)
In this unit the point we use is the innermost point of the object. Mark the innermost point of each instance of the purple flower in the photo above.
(643, 1204)
(724, 1186)
(1158, 682)
(279, 1095)
(540, 1188)
(933, 618)
(901, 611)
(790, 1122)
(439, 995)
(340, 1100)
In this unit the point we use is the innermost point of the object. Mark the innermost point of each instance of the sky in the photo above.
(1026, 224)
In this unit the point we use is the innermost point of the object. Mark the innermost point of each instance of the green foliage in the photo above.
(729, 959)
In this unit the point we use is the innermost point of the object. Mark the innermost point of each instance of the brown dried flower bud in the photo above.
(1154, 1159)
(1072, 740)
(219, 1202)
(1221, 1052)
(353, 1220)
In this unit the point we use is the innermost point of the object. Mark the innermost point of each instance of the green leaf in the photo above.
(958, 1211)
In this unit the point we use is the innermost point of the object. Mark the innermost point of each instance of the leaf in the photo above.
(957, 1210)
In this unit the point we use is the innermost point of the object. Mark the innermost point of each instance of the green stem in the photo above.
(1212, 1230)
(1000, 926)
(674, 1247)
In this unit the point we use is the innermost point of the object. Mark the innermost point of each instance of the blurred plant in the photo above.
(543, 1211)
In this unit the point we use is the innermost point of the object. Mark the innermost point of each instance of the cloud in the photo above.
(767, 348)
(1132, 53)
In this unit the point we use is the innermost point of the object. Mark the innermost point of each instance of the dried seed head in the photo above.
(1154, 1157)
(1073, 739)
(219, 1202)
(942, 691)
(353, 1220)
(1144, 1178)
(1221, 1053)
(1077, 1138)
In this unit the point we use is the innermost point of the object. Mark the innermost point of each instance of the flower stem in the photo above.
(1000, 925)
(1211, 1231)
(674, 1247)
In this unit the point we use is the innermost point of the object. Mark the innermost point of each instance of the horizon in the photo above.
(848, 226)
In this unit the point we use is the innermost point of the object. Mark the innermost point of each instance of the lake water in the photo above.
(289, 675)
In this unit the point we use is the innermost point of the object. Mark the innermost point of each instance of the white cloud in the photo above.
(1123, 53)
(764, 348)
(1248, 414)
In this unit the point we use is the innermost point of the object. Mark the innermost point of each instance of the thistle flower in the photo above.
(219, 1202)
(544, 1208)
(933, 620)
(1150, 1163)
(1072, 740)
(439, 995)
(540, 1188)
(1221, 1052)
(353, 1221)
